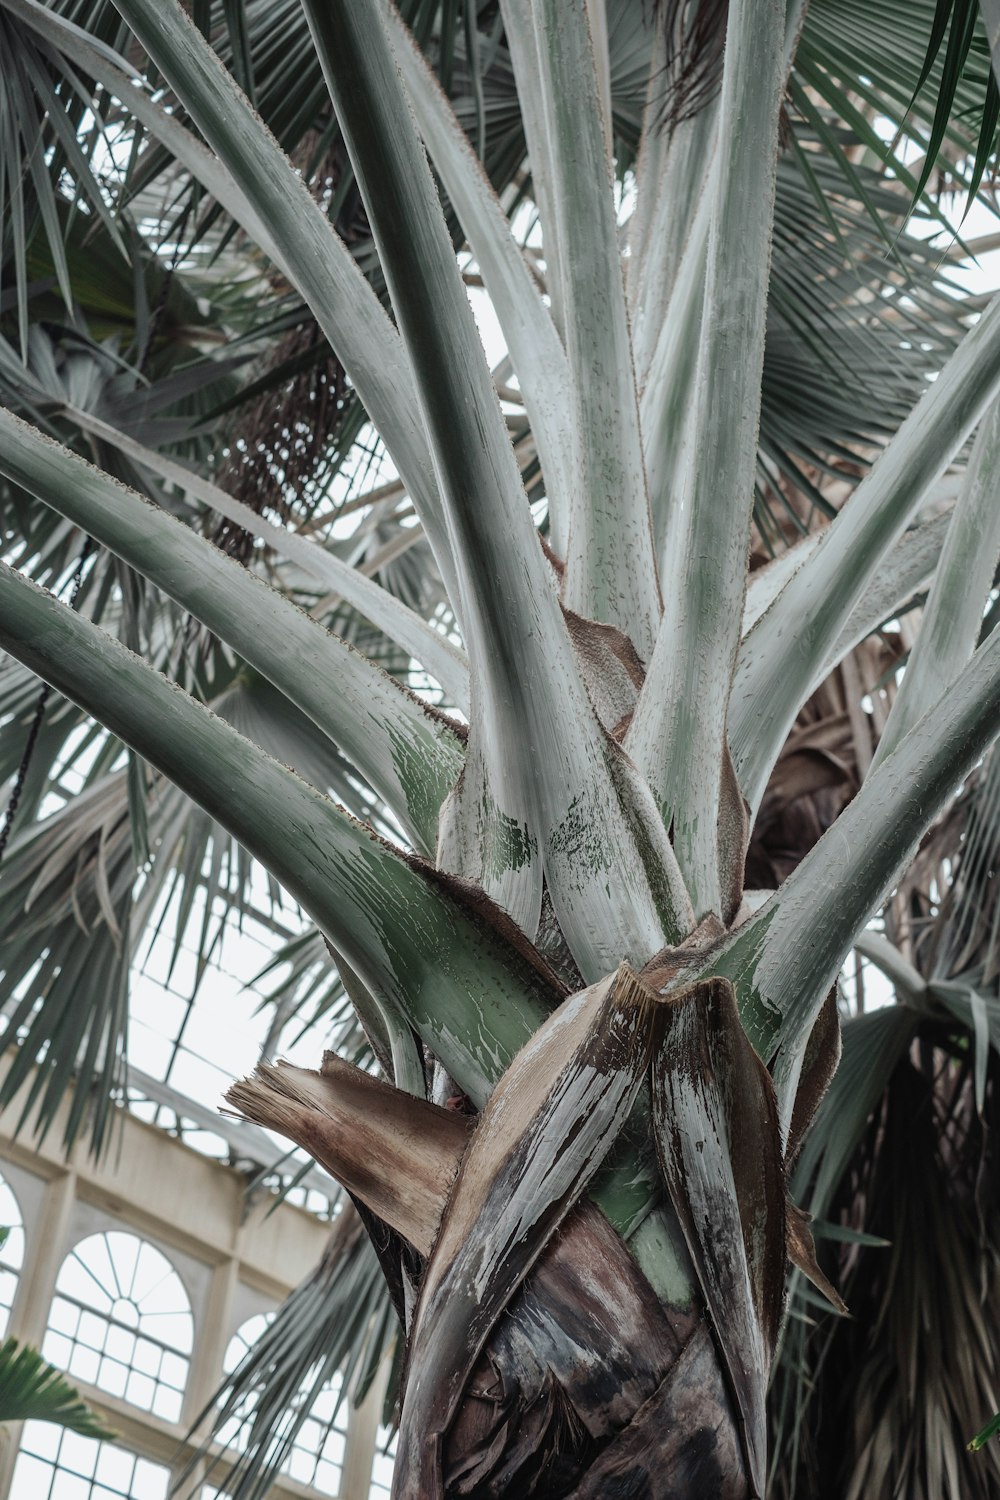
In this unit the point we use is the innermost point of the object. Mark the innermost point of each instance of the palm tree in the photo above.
(589, 1052)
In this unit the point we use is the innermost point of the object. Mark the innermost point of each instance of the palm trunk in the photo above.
(592, 1388)
(586, 1382)
(589, 1384)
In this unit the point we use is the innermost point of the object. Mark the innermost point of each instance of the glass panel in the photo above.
(57, 1465)
(121, 1321)
(382, 1467)
(317, 1451)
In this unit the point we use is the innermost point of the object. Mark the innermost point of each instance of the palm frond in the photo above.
(32, 1390)
(888, 1398)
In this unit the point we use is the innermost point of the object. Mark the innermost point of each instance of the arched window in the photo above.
(56, 1465)
(121, 1320)
(235, 1432)
(11, 1252)
(316, 1456)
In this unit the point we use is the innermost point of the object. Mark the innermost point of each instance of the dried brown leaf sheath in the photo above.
(718, 1140)
(540, 1358)
(818, 1067)
(571, 1367)
(802, 1253)
(682, 1441)
(544, 1130)
(611, 670)
(584, 1344)
(398, 1154)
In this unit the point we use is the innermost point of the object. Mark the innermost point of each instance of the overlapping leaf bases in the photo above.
(719, 1147)
(543, 1132)
(540, 1361)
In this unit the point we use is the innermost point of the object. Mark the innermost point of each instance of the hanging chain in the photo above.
(36, 722)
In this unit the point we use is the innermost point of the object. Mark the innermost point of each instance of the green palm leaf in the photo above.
(32, 1390)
